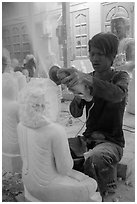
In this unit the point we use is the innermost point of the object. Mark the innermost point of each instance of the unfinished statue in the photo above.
(47, 163)
(11, 160)
(125, 59)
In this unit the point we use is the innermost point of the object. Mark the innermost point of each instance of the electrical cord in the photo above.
(132, 131)
(86, 120)
(129, 127)
(80, 120)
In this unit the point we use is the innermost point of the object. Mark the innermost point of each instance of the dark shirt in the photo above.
(106, 115)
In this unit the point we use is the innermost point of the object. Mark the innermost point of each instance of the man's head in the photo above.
(25, 72)
(14, 63)
(30, 64)
(120, 25)
(102, 50)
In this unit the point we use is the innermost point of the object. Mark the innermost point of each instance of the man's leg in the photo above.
(77, 149)
(102, 162)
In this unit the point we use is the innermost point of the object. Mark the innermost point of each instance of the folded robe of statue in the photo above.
(47, 163)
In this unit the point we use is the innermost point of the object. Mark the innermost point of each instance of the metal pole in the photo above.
(66, 33)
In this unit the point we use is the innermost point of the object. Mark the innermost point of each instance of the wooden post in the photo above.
(66, 34)
(31, 29)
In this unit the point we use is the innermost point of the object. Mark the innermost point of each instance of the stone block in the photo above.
(11, 164)
(20, 198)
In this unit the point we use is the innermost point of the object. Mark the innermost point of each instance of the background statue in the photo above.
(6, 61)
(125, 59)
(11, 160)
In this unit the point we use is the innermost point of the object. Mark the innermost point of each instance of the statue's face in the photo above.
(119, 28)
(38, 104)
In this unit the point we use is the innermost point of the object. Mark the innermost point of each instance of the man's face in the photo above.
(99, 61)
(25, 72)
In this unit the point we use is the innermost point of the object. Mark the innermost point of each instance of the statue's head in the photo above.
(35, 103)
(9, 86)
(32, 107)
(120, 25)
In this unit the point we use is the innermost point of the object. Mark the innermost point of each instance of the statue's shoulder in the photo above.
(57, 130)
(57, 126)
(126, 42)
(130, 42)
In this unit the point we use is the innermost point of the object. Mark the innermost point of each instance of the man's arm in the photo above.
(114, 92)
(77, 106)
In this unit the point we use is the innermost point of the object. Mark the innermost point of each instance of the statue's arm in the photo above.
(77, 175)
(129, 65)
(17, 113)
(61, 151)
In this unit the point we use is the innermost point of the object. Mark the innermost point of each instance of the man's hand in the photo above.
(77, 82)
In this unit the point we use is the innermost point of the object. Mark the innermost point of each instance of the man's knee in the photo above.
(96, 160)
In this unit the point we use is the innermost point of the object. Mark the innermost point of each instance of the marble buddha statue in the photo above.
(47, 163)
(125, 59)
(11, 160)
(21, 79)
(51, 90)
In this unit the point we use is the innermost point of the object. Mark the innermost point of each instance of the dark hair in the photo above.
(4, 63)
(106, 42)
(53, 74)
(29, 66)
(18, 69)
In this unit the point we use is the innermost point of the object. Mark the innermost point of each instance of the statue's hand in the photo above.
(119, 60)
(77, 175)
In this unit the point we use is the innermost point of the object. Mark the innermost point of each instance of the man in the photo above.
(104, 95)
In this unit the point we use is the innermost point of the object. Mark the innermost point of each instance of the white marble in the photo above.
(21, 79)
(131, 95)
(121, 63)
(47, 163)
(11, 160)
(52, 95)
